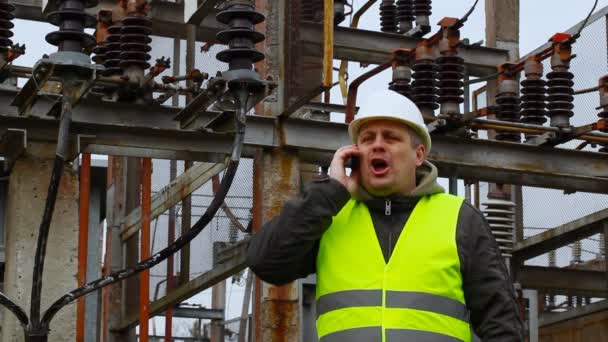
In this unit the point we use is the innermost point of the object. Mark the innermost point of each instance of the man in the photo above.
(396, 258)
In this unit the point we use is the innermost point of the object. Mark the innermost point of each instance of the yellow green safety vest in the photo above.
(416, 296)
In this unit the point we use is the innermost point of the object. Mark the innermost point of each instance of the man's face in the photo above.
(388, 161)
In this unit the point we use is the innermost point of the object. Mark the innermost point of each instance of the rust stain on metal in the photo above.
(282, 312)
(110, 172)
(183, 192)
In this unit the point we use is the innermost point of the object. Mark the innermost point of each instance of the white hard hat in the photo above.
(388, 105)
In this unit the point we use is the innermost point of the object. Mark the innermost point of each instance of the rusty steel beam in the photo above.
(560, 236)
(563, 281)
(550, 318)
(144, 276)
(83, 240)
(374, 47)
(171, 194)
(149, 131)
(230, 261)
(349, 44)
(167, 18)
(196, 11)
(316, 142)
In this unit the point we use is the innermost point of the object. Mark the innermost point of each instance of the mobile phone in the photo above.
(354, 162)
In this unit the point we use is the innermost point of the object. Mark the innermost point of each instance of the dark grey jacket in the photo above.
(286, 248)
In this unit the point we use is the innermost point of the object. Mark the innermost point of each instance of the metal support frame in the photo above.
(349, 44)
(371, 47)
(196, 313)
(112, 130)
(230, 261)
(561, 281)
(13, 142)
(171, 194)
(196, 11)
(560, 236)
(532, 297)
(551, 318)
(167, 18)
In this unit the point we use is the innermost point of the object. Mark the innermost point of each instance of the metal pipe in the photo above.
(218, 291)
(144, 279)
(245, 308)
(351, 103)
(507, 128)
(170, 261)
(588, 90)
(328, 43)
(257, 218)
(184, 270)
(491, 77)
(26, 72)
(172, 210)
(453, 182)
(514, 125)
(83, 239)
(532, 129)
(477, 195)
(467, 93)
(344, 64)
(468, 192)
(476, 94)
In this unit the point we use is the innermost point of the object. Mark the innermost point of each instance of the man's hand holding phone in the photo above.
(338, 164)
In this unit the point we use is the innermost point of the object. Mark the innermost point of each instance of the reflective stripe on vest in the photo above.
(394, 299)
(416, 296)
(370, 334)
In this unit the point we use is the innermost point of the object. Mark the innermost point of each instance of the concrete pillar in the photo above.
(112, 296)
(502, 31)
(28, 185)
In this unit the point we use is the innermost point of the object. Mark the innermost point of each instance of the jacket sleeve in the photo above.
(286, 247)
(488, 289)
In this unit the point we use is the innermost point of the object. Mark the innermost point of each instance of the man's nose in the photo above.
(379, 143)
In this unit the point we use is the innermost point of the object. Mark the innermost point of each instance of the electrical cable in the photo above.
(214, 206)
(464, 19)
(584, 24)
(51, 199)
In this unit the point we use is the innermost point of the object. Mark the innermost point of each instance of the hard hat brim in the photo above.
(354, 128)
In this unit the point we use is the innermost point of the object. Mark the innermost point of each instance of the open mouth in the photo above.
(379, 166)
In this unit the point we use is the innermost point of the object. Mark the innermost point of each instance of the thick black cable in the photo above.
(464, 19)
(584, 24)
(51, 199)
(14, 308)
(157, 258)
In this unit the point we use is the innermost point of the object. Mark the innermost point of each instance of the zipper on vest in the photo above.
(387, 207)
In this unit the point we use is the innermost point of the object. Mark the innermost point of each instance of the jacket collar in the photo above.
(426, 184)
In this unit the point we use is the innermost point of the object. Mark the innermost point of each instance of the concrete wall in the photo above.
(28, 186)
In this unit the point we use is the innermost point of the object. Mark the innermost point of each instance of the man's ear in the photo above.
(420, 153)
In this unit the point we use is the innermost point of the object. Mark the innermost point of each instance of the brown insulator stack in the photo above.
(388, 16)
(534, 90)
(507, 101)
